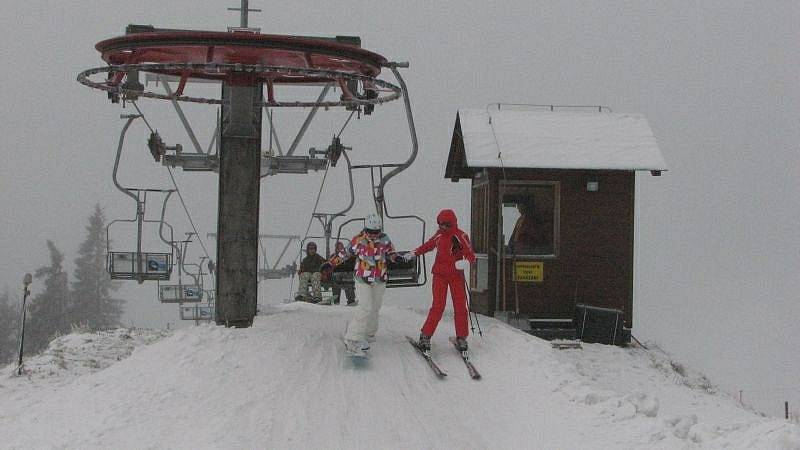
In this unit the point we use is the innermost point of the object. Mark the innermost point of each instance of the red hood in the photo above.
(447, 216)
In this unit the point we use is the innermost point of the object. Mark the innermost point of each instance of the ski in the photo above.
(428, 358)
(473, 372)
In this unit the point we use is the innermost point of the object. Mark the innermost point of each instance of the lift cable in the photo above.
(177, 189)
(310, 221)
(319, 194)
(346, 122)
(324, 177)
(189, 216)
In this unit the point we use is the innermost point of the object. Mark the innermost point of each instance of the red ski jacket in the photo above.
(451, 245)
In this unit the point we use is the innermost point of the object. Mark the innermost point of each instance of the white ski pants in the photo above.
(365, 319)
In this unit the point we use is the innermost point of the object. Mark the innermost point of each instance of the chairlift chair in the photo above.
(401, 273)
(136, 265)
(183, 292)
(197, 312)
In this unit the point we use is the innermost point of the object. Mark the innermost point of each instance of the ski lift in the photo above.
(183, 292)
(248, 60)
(400, 273)
(137, 265)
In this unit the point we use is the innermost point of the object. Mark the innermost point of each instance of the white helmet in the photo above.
(373, 222)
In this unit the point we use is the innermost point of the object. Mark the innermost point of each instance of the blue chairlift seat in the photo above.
(197, 311)
(180, 293)
(139, 266)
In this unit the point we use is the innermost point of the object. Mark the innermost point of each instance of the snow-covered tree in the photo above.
(9, 327)
(92, 303)
(49, 310)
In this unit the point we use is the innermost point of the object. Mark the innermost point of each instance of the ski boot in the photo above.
(461, 344)
(424, 343)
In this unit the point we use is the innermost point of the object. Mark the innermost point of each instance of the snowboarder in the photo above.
(453, 255)
(372, 247)
(310, 273)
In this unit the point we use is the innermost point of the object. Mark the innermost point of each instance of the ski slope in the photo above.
(286, 383)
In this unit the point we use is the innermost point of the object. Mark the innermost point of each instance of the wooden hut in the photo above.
(552, 216)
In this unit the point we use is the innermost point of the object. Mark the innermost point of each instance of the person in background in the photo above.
(310, 274)
(453, 255)
(372, 248)
(532, 233)
(338, 258)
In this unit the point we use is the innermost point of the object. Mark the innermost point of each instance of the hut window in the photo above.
(529, 216)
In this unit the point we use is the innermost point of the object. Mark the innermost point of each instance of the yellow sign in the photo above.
(529, 271)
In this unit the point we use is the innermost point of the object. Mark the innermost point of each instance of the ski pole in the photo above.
(471, 325)
(470, 312)
(469, 305)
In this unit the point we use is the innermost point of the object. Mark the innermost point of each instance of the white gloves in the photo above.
(462, 264)
(408, 256)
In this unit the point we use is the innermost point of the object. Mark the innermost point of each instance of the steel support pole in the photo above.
(239, 189)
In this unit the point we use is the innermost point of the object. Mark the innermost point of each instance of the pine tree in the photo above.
(49, 309)
(9, 328)
(91, 291)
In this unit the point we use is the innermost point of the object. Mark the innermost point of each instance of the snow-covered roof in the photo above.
(558, 140)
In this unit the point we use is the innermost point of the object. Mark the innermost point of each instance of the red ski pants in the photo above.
(440, 284)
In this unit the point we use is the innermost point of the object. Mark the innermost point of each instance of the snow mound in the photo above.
(81, 353)
(286, 383)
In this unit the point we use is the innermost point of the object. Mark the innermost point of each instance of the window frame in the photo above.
(504, 185)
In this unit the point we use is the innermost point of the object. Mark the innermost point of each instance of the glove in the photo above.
(462, 264)
(408, 256)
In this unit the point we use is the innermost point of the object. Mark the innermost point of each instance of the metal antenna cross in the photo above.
(244, 10)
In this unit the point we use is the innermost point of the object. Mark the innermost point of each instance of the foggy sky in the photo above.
(717, 257)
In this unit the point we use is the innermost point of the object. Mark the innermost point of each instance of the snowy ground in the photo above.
(285, 383)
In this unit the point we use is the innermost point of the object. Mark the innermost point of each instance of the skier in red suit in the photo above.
(453, 254)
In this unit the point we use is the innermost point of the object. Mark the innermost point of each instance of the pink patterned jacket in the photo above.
(372, 255)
